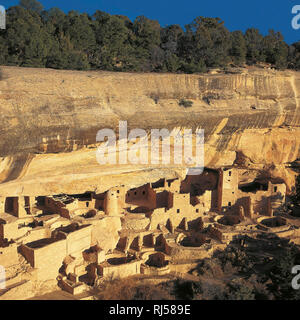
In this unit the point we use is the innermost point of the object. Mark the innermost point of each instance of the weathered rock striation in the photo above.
(49, 120)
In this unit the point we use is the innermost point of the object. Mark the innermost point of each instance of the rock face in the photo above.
(49, 120)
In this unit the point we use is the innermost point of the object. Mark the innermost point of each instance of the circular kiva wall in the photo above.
(154, 263)
(154, 259)
(120, 266)
(274, 224)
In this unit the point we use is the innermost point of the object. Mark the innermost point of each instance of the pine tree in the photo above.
(254, 42)
(238, 49)
(32, 5)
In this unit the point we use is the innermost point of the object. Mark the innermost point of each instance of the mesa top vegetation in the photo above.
(50, 38)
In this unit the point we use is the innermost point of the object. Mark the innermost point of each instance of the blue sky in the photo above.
(237, 14)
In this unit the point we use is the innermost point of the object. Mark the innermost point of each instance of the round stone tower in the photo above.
(112, 203)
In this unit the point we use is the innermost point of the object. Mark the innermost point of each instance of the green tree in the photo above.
(281, 275)
(39, 38)
(113, 40)
(170, 36)
(32, 5)
(3, 50)
(206, 44)
(295, 197)
(28, 41)
(147, 32)
(238, 49)
(147, 44)
(79, 30)
(239, 289)
(254, 42)
(275, 49)
(294, 56)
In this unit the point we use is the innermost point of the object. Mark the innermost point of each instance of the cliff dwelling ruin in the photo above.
(68, 221)
(154, 229)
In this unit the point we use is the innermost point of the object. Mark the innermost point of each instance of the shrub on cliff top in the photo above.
(186, 103)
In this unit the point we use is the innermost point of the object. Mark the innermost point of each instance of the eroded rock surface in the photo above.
(49, 120)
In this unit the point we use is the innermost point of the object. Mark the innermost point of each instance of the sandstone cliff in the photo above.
(49, 120)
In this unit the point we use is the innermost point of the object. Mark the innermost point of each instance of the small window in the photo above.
(229, 204)
(178, 210)
(144, 192)
(197, 210)
(275, 189)
(118, 191)
(87, 204)
(229, 173)
(135, 193)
